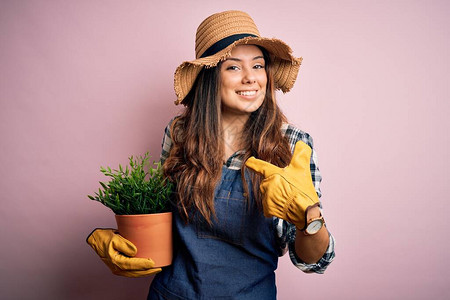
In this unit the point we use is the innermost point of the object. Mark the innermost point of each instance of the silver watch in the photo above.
(314, 225)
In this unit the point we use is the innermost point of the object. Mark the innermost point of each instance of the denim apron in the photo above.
(233, 259)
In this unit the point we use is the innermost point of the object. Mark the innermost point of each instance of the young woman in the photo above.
(247, 181)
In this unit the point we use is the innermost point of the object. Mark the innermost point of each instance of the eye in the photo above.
(259, 66)
(233, 68)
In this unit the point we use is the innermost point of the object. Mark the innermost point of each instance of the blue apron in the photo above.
(234, 259)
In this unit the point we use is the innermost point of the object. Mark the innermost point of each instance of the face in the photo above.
(243, 80)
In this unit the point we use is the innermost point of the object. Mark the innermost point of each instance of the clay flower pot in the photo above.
(151, 234)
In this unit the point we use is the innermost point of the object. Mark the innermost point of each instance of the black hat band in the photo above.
(225, 42)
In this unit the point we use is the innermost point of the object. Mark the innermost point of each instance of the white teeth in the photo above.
(247, 93)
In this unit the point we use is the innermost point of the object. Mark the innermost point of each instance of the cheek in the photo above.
(227, 85)
(223, 90)
(263, 80)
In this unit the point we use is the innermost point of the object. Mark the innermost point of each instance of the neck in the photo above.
(233, 121)
(232, 128)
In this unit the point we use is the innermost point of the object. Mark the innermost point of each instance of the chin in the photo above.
(240, 107)
(253, 107)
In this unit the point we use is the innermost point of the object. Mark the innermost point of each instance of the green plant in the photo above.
(137, 189)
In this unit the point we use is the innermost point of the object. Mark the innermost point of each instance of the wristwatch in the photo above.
(314, 225)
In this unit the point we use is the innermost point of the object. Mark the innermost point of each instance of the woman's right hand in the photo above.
(287, 192)
(117, 253)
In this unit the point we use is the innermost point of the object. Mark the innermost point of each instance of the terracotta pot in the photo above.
(151, 234)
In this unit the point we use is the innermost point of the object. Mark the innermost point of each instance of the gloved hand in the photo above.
(287, 192)
(117, 253)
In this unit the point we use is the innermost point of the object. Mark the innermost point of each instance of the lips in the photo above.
(246, 93)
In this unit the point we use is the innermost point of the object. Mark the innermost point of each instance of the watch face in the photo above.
(314, 226)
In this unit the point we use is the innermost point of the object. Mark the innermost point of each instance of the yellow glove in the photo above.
(287, 192)
(116, 252)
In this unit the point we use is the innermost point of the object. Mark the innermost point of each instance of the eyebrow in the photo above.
(237, 59)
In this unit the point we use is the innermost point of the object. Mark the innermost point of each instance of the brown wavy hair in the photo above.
(195, 159)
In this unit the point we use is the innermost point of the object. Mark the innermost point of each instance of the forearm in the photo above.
(310, 248)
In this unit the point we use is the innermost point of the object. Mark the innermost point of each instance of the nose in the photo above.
(248, 76)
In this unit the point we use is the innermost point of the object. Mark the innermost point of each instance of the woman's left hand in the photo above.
(287, 192)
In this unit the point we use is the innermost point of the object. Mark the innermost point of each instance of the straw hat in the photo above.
(216, 37)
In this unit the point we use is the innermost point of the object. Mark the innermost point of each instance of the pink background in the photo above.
(88, 83)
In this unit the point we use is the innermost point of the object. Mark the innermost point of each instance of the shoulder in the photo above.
(167, 130)
(167, 141)
(294, 134)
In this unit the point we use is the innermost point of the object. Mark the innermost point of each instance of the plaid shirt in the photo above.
(285, 232)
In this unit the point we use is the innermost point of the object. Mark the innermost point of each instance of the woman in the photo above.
(233, 220)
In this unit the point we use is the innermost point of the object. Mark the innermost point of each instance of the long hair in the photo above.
(195, 159)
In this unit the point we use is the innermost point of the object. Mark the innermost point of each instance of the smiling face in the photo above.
(243, 81)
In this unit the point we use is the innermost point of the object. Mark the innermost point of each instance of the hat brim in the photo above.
(285, 65)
